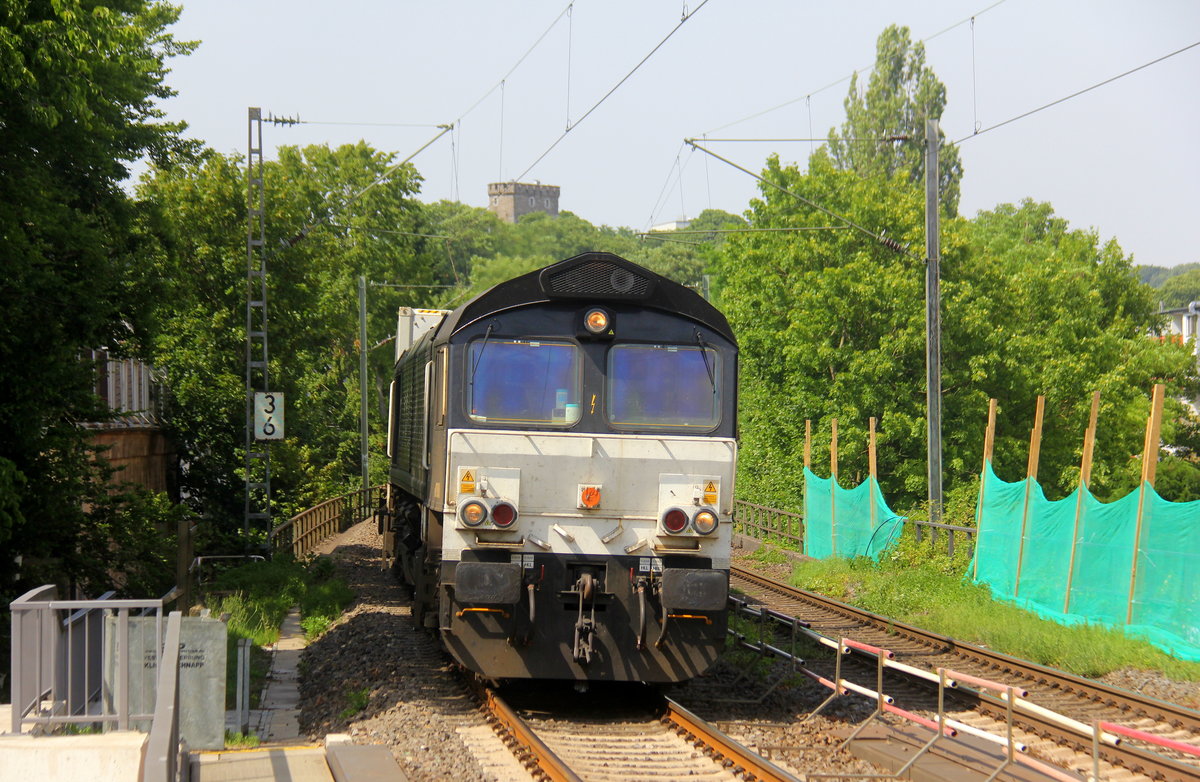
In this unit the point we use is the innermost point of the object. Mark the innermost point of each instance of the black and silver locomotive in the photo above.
(562, 464)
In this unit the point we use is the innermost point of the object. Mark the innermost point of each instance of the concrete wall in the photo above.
(101, 757)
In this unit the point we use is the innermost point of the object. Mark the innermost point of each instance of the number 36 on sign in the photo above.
(268, 416)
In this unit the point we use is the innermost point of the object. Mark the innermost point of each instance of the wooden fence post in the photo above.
(1149, 468)
(1085, 479)
(833, 485)
(989, 443)
(808, 465)
(874, 478)
(1035, 450)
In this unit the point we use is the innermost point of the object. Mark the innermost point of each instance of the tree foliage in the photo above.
(884, 132)
(1180, 290)
(831, 325)
(79, 83)
(312, 305)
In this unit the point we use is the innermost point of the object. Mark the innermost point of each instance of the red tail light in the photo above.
(503, 514)
(674, 521)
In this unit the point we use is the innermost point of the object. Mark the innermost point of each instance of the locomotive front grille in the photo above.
(598, 278)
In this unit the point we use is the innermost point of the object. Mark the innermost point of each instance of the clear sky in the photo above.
(1123, 159)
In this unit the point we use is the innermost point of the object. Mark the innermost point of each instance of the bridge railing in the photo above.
(302, 533)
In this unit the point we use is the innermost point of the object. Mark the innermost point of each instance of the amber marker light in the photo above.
(705, 522)
(596, 320)
(473, 513)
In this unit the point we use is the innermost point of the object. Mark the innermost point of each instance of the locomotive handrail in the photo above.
(302, 533)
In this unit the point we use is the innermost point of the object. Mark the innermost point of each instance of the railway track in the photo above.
(648, 738)
(1044, 696)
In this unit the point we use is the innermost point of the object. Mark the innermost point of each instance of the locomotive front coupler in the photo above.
(587, 588)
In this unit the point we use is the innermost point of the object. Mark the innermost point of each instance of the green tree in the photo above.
(1039, 308)
(1156, 276)
(313, 310)
(884, 131)
(1180, 290)
(79, 83)
(832, 326)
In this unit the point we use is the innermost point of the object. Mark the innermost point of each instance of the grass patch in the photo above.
(240, 740)
(356, 701)
(258, 596)
(934, 596)
(769, 555)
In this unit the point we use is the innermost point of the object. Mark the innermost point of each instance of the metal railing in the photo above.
(72, 660)
(781, 526)
(165, 751)
(768, 524)
(303, 532)
(950, 529)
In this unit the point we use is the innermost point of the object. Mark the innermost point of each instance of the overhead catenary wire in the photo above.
(298, 121)
(749, 230)
(310, 227)
(893, 137)
(687, 15)
(520, 60)
(658, 202)
(1078, 93)
(886, 241)
(865, 69)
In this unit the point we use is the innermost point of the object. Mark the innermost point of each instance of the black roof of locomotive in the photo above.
(596, 277)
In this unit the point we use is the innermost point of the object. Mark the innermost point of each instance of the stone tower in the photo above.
(510, 200)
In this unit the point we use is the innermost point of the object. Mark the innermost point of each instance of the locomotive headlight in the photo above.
(674, 521)
(705, 522)
(473, 513)
(503, 514)
(596, 320)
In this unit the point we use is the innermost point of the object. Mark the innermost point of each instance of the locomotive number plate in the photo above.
(648, 564)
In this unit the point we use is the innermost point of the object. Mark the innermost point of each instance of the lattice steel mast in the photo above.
(258, 453)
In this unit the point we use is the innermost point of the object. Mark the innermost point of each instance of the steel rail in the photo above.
(549, 763)
(749, 763)
(1175, 714)
(1134, 758)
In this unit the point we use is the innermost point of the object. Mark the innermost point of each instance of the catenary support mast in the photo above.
(258, 453)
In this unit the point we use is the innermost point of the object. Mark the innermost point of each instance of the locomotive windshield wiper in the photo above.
(479, 356)
(704, 346)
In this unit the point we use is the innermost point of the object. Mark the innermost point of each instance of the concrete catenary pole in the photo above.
(933, 322)
(362, 382)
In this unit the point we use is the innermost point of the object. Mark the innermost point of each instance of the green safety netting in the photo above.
(1075, 562)
(841, 523)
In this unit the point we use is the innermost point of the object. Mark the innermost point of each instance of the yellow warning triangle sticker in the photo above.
(710, 487)
(467, 477)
